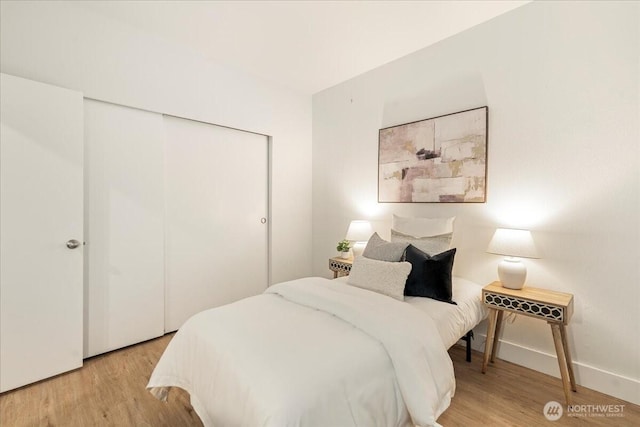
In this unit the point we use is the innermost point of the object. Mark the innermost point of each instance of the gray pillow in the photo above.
(387, 278)
(379, 249)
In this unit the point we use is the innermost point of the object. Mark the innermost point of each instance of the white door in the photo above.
(41, 210)
(216, 249)
(124, 226)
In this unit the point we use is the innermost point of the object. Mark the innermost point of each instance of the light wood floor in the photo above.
(110, 391)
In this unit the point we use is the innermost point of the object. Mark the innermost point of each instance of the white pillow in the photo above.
(432, 236)
(387, 278)
(431, 245)
(422, 227)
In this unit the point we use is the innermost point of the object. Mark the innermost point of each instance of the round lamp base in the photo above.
(512, 273)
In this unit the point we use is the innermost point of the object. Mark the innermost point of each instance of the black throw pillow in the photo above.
(430, 275)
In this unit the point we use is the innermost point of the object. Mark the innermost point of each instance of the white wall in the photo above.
(561, 82)
(66, 45)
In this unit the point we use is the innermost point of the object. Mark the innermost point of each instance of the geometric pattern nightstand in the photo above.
(555, 308)
(340, 266)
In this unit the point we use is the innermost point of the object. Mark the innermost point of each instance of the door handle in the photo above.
(72, 244)
(263, 220)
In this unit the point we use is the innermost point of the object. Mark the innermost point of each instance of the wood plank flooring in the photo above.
(511, 395)
(110, 391)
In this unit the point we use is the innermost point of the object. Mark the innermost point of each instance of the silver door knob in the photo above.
(263, 220)
(73, 243)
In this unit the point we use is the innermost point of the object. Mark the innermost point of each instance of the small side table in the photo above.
(555, 308)
(340, 266)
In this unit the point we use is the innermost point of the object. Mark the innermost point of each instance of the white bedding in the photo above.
(453, 321)
(310, 352)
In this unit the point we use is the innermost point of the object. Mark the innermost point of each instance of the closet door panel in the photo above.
(216, 195)
(124, 269)
(40, 211)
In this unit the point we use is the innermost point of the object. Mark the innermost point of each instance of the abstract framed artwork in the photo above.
(438, 160)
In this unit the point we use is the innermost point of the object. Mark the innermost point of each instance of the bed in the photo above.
(355, 351)
(319, 352)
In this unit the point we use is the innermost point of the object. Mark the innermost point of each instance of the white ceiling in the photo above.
(307, 46)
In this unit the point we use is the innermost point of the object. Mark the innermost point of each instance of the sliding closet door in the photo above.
(216, 208)
(40, 231)
(124, 266)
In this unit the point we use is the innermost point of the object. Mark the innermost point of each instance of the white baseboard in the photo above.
(587, 376)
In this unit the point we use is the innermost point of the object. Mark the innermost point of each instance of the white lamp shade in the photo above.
(513, 242)
(359, 231)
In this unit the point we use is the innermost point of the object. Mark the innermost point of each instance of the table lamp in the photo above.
(359, 233)
(515, 244)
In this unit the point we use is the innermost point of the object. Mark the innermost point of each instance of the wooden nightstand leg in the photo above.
(562, 361)
(488, 345)
(335, 274)
(567, 355)
(496, 336)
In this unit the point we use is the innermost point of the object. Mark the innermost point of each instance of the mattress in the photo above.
(452, 321)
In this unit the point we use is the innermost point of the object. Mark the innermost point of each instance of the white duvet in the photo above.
(310, 352)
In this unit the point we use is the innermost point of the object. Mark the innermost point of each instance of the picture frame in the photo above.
(442, 159)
